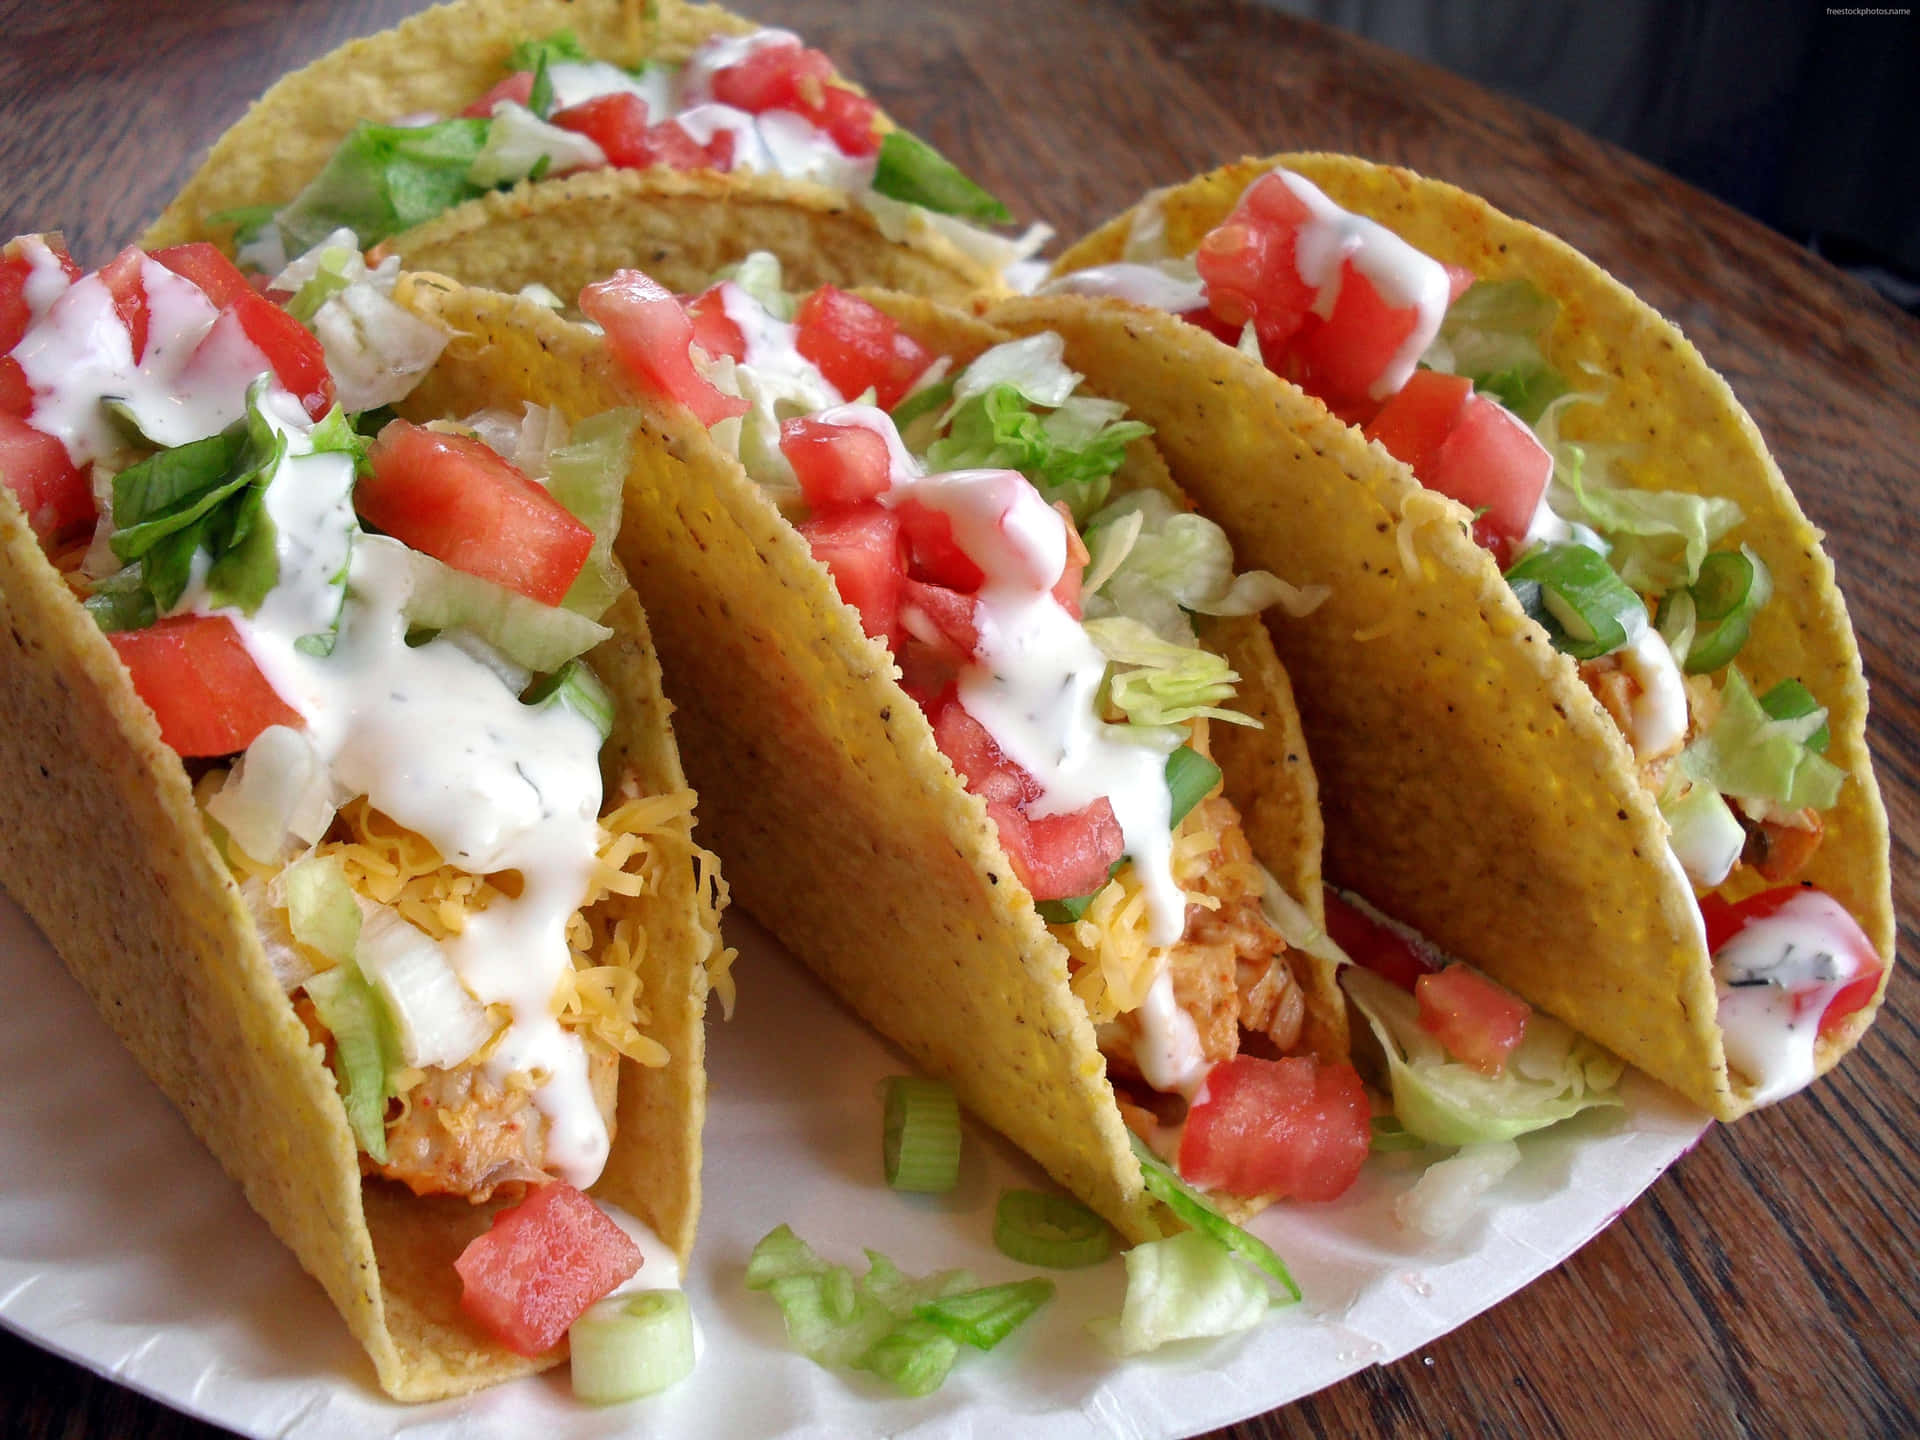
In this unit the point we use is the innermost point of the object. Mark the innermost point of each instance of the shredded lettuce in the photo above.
(321, 910)
(277, 798)
(1551, 1075)
(1156, 682)
(588, 475)
(384, 179)
(1492, 335)
(1034, 365)
(1658, 539)
(1449, 1191)
(1706, 837)
(759, 276)
(366, 1052)
(376, 349)
(1183, 1288)
(1748, 754)
(520, 146)
(1070, 455)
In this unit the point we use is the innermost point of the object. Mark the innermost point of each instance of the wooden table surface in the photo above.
(1767, 1284)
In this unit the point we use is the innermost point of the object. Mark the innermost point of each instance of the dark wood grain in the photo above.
(1766, 1285)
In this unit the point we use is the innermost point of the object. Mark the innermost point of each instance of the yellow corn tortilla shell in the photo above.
(1476, 789)
(844, 828)
(111, 858)
(445, 58)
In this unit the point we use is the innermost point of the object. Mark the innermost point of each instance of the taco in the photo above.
(849, 629)
(471, 139)
(1589, 705)
(413, 939)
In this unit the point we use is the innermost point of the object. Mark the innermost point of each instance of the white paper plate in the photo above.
(124, 1247)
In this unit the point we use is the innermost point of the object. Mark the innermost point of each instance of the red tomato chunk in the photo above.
(201, 684)
(1374, 946)
(292, 350)
(1286, 1129)
(863, 547)
(836, 464)
(1477, 1021)
(56, 495)
(1492, 461)
(713, 330)
(650, 332)
(541, 1265)
(858, 347)
(1725, 919)
(792, 77)
(1414, 423)
(617, 123)
(517, 87)
(460, 502)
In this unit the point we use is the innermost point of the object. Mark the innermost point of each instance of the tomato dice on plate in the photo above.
(650, 331)
(836, 464)
(457, 500)
(858, 347)
(863, 547)
(196, 676)
(1477, 1021)
(543, 1262)
(1286, 1129)
(1725, 919)
(56, 495)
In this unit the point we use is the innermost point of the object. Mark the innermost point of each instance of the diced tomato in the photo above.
(1284, 1129)
(1067, 588)
(1250, 266)
(1477, 1021)
(713, 331)
(196, 676)
(457, 500)
(864, 548)
(121, 276)
(978, 759)
(650, 332)
(836, 464)
(617, 123)
(56, 495)
(1211, 323)
(941, 618)
(1725, 919)
(1413, 424)
(772, 77)
(1492, 461)
(16, 269)
(543, 1262)
(1459, 280)
(858, 347)
(517, 87)
(937, 556)
(1070, 854)
(1345, 357)
(1368, 943)
(849, 117)
(1502, 547)
(16, 395)
(218, 277)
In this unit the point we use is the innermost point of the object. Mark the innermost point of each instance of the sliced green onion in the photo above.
(910, 169)
(577, 688)
(1677, 623)
(921, 1144)
(1390, 1136)
(627, 1346)
(925, 400)
(1582, 605)
(1191, 777)
(1732, 588)
(1789, 700)
(915, 1357)
(1052, 1230)
(1194, 1209)
(983, 1318)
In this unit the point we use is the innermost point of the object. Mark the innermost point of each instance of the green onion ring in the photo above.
(921, 1144)
(1040, 1229)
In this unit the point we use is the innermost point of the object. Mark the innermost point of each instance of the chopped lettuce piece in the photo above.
(759, 276)
(277, 799)
(384, 179)
(376, 349)
(1156, 682)
(1492, 335)
(1750, 755)
(521, 146)
(577, 688)
(366, 1053)
(1184, 1288)
(436, 1021)
(1706, 837)
(1034, 365)
(1658, 538)
(588, 475)
(911, 170)
(321, 910)
(1449, 1191)
(1070, 455)
(560, 46)
(1551, 1075)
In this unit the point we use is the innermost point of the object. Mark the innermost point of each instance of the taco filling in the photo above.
(759, 102)
(370, 655)
(1044, 623)
(1453, 377)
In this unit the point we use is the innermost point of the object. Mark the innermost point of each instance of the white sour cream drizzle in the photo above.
(47, 278)
(1034, 684)
(1775, 978)
(1403, 276)
(1659, 711)
(430, 734)
(1167, 1051)
(659, 1266)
